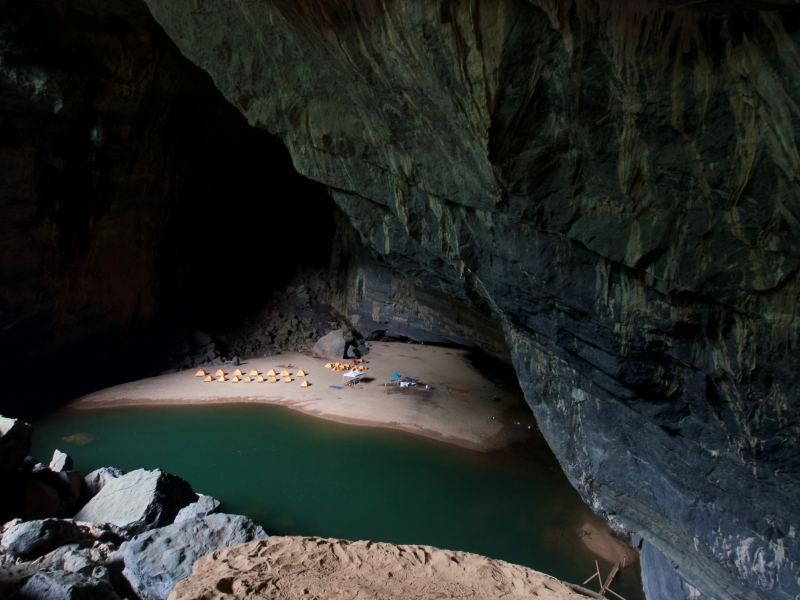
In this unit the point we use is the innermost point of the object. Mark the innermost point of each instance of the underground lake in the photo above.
(298, 475)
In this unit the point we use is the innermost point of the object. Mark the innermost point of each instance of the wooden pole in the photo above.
(599, 577)
(584, 591)
(590, 578)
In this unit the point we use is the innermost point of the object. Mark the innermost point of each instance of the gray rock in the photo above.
(139, 501)
(15, 443)
(64, 585)
(97, 480)
(205, 506)
(16, 574)
(659, 577)
(39, 537)
(61, 461)
(330, 345)
(155, 561)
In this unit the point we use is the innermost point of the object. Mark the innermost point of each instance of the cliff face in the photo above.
(617, 182)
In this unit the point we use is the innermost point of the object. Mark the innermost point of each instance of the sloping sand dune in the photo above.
(312, 568)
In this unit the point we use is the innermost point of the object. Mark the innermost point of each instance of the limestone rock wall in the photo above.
(617, 182)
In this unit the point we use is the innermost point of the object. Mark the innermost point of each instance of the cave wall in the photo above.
(380, 302)
(618, 183)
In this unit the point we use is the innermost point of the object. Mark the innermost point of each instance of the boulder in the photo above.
(39, 537)
(330, 345)
(139, 501)
(61, 461)
(15, 443)
(205, 506)
(97, 480)
(155, 561)
(64, 585)
(40, 501)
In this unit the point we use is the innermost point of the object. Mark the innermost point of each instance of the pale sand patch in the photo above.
(459, 417)
(295, 567)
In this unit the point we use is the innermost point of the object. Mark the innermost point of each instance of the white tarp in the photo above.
(354, 375)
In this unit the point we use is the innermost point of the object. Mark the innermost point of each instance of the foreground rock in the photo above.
(155, 561)
(330, 345)
(205, 506)
(97, 479)
(15, 443)
(295, 567)
(66, 585)
(39, 537)
(139, 501)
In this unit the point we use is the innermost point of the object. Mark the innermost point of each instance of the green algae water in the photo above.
(297, 475)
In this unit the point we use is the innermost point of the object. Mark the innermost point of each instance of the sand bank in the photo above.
(456, 410)
(297, 567)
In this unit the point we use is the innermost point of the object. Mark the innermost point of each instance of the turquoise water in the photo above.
(297, 475)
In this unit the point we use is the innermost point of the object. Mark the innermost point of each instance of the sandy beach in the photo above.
(456, 410)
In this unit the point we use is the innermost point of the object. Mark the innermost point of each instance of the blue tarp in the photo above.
(395, 376)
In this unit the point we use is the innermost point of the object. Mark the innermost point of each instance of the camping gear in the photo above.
(271, 373)
(253, 372)
(273, 380)
(260, 379)
(352, 376)
(221, 378)
(336, 387)
(235, 379)
(329, 366)
(301, 373)
(395, 376)
(219, 373)
(247, 379)
(305, 384)
(200, 373)
(208, 378)
(287, 379)
(237, 373)
(284, 373)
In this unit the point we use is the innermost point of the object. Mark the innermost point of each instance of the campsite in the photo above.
(429, 390)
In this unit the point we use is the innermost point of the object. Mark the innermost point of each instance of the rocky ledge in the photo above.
(309, 567)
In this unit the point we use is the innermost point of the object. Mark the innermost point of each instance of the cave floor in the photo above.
(456, 410)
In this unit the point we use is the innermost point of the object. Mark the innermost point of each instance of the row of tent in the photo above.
(254, 375)
(340, 367)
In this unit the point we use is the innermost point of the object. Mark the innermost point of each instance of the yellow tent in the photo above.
(208, 378)
(237, 373)
(362, 368)
(235, 379)
(247, 379)
(260, 379)
(329, 366)
(200, 373)
(287, 379)
(221, 378)
(253, 372)
(301, 373)
(272, 380)
(305, 384)
(271, 373)
(219, 373)
(284, 373)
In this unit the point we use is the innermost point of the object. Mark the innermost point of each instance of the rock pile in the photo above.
(292, 319)
(106, 536)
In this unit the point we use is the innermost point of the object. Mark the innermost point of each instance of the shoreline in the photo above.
(456, 411)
